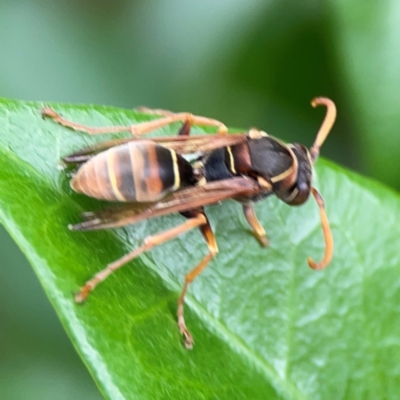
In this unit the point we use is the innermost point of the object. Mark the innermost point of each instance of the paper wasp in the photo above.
(154, 177)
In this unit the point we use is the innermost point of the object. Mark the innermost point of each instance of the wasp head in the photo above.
(298, 193)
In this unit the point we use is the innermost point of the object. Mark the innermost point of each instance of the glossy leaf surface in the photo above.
(265, 325)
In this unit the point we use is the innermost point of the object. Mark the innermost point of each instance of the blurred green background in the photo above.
(247, 63)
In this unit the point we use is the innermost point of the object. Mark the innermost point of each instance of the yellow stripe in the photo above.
(286, 173)
(111, 174)
(256, 134)
(264, 183)
(177, 177)
(292, 196)
(282, 176)
(231, 159)
(102, 189)
(136, 150)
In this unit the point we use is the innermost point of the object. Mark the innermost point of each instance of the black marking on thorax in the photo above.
(215, 165)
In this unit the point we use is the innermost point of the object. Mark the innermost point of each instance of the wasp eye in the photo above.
(303, 187)
(298, 196)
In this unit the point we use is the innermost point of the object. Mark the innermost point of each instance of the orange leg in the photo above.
(154, 111)
(185, 130)
(140, 128)
(327, 234)
(258, 230)
(149, 242)
(191, 276)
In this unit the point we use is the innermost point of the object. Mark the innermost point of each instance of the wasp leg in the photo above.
(327, 234)
(208, 235)
(184, 131)
(149, 242)
(136, 129)
(258, 230)
(153, 111)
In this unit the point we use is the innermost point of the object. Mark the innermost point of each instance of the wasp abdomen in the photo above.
(139, 171)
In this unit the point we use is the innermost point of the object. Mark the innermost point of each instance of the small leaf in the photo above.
(265, 325)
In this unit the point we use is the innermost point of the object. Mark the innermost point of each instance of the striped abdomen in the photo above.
(139, 171)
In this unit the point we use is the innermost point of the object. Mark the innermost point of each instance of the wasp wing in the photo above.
(83, 155)
(180, 144)
(200, 143)
(180, 201)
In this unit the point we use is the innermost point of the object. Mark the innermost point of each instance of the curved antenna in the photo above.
(326, 124)
(327, 234)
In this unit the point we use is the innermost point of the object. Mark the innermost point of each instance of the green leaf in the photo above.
(266, 326)
(367, 41)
